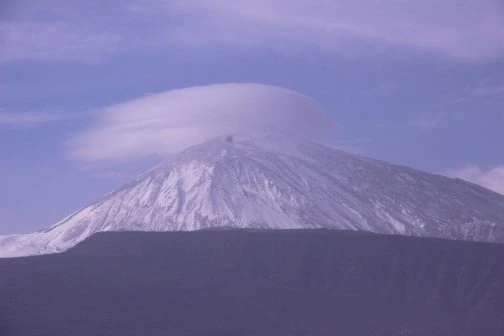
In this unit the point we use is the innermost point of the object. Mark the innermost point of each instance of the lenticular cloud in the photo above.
(168, 122)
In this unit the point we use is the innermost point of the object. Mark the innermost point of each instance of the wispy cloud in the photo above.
(167, 122)
(492, 178)
(90, 30)
(482, 92)
(27, 119)
(466, 29)
(55, 41)
(486, 91)
(15, 118)
(111, 175)
(424, 123)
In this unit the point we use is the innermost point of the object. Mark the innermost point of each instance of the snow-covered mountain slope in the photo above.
(279, 182)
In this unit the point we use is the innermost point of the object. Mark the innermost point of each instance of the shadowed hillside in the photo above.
(277, 283)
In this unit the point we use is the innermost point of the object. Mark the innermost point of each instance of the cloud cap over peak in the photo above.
(168, 122)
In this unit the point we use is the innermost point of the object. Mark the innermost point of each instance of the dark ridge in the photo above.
(234, 282)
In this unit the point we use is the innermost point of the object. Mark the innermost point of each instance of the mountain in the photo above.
(279, 182)
(256, 282)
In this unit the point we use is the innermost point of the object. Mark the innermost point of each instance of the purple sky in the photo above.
(419, 83)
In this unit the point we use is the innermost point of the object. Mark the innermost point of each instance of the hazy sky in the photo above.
(413, 82)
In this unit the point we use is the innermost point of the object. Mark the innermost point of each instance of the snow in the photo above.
(281, 182)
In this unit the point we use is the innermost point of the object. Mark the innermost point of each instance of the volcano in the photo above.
(274, 181)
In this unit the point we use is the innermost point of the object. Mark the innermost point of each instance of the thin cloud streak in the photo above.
(486, 91)
(111, 174)
(479, 93)
(468, 30)
(28, 119)
(461, 29)
(55, 41)
(424, 123)
(19, 119)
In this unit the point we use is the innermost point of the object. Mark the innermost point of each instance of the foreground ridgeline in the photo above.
(279, 182)
(278, 283)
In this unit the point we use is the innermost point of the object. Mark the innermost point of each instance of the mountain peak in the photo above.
(279, 181)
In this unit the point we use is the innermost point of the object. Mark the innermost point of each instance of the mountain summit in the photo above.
(280, 182)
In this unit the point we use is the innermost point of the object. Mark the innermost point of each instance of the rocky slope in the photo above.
(279, 182)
